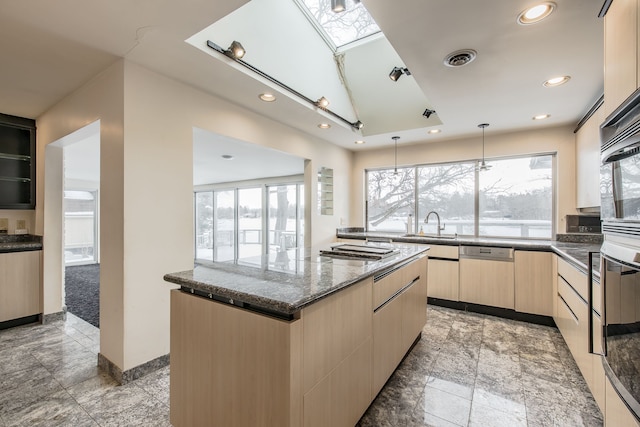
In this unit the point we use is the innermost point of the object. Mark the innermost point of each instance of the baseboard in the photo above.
(19, 322)
(124, 377)
(54, 317)
(494, 311)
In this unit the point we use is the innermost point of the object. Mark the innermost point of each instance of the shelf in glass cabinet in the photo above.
(20, 157)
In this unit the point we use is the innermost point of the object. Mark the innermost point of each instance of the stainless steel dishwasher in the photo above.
(487, 276)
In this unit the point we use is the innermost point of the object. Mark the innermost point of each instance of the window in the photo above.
(224, 225)
(204, 225)
(447, 189)
(514, 198)
(249, 222)
(390, 199)
(283, 218)
(353, 24)
(80, 227)
(232, 223)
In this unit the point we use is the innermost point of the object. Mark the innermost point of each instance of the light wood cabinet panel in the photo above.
(487, 282)
(224, 360)
(443, 279)
(588, 161)
(341, 397)
(387, 342)
(20, 284)
(443, 251)
(414, 309)
(387, 286)
(577, 279)
(598, 375)
(326, 340)
(617, 414)
(620, 53)
(534, 282)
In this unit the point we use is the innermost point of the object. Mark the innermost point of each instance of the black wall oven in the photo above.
(620, 252)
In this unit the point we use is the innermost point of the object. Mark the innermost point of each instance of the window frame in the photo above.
(476, 190)
(264, 186)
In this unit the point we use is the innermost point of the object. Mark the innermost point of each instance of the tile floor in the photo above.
(474, 370)
(468, 370)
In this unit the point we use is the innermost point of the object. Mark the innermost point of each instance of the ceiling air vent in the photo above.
(460, 57)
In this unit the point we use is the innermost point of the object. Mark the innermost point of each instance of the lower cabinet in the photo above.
(234, 367)
(487, 282)
(617, 414)
(20, 284)
(534, 282)
(443, 276)
(572, 319)
(398, 320)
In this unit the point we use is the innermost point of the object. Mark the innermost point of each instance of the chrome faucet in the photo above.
(426, 221)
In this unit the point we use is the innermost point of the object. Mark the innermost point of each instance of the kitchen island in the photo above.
(291, 339)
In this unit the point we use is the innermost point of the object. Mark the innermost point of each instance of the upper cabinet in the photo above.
(621, 52)
(17, 162)
(588, 160)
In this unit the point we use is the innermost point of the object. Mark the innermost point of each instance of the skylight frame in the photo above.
(324, 8)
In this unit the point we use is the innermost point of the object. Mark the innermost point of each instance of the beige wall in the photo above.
(146, 166)
(15, 215)
(560, 140)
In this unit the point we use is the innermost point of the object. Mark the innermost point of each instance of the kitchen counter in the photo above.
(284, 283)
(20, 243)
(576, 253)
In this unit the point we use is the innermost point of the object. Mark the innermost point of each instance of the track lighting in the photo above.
(338, 6)
(427, 113)
(235, 51)
(322, 102)
(397, 72)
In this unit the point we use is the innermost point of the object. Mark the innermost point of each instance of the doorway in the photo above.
(81, 223)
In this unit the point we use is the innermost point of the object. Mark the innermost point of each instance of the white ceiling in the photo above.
(249, 161)
(51, 48)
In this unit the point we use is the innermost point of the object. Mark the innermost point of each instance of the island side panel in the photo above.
(231, 367)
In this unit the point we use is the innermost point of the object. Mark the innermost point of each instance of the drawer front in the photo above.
(387, 286)
(575, 278)
(443, 251)
(577, 306)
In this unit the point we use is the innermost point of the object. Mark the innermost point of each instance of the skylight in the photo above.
(342, 28)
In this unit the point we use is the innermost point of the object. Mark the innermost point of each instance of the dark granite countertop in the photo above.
(286, 282)
(576, 253)
(20, 243)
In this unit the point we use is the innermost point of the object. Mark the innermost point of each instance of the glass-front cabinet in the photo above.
(17, 162)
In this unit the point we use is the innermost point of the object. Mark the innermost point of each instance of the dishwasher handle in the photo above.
(491, 253)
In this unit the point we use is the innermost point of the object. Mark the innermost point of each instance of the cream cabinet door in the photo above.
(443, 279)
(487, 282)
(534, 282)
(588, 161)
(620, 53)
(19, 285)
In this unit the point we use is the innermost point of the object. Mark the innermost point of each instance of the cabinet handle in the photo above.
(590, 301)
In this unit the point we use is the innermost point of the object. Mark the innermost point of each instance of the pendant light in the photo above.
(483, 166)
(395, 169)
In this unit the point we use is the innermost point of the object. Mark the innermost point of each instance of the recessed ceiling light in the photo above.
(536, 13)
(435, 131)
(359, 142)
(556, 81)
(267, 97)
(227, 156)
(541, 116)
(324, 125)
